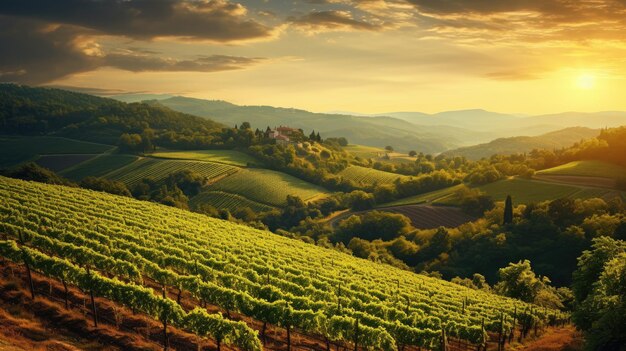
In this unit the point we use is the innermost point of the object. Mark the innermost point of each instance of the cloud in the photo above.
(143, 63)
(37, 52)
(216, 20)
(332, 20)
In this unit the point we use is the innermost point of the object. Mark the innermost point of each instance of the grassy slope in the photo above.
(267, 186)
(15, 150)
(587, 169)
(231, 157)
(366, 175)
(521, 190)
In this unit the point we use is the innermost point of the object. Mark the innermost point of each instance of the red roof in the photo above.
(281, 137)
(285, 129)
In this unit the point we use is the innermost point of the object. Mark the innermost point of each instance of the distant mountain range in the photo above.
(553, 140)
(429, 133)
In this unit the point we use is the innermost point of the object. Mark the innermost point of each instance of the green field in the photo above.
(267, 187)
(15, 150)
(256, 274)
(435, 197)
(368, 176)
(587, 169)
(231, 157)
(521, 190)
(99, 166)
(364, 151)
(228, 201)
(527, 191)
(157, 170)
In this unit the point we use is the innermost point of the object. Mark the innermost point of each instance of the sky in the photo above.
(365, 56)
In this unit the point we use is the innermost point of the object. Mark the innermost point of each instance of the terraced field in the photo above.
(368, 176)
(228, 201)
(159, 169)
(267, 187)
(15, 150)
(231, 157)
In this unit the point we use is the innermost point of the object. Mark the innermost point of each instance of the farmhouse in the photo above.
(282, 134)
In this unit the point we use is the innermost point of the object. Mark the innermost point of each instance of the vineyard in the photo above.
(428, 217)
(15, 150)
(156, 169)
(231, 202)
(231, 157)
(267, 187)
(112, 246)
(98, 166)
(368, 176)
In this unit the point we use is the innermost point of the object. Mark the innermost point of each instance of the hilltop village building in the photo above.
(282, 134)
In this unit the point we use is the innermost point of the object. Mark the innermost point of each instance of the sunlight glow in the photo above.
(586, 81)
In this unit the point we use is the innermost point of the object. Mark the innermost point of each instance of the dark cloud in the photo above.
(217, 20)
(143, 63)
(332, 20)
(35, 52)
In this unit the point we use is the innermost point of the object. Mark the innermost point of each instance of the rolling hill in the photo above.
(377, 131)
(522, 144)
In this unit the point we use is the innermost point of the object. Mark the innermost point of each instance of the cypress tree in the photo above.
(508, 210)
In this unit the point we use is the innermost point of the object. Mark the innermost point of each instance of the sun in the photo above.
(586, 81)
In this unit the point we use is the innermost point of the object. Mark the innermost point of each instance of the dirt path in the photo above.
(557, 339)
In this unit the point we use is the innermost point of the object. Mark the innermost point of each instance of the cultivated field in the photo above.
(441, 196)
(16, 150)
(521, 190)
(364, 151)
(428, 217)
(157, 169)
(58, 163)
(160, 262)
(267, 186)
(367, 176)
(231, 157)
(587, 169)
(98, 166)
(228, 201)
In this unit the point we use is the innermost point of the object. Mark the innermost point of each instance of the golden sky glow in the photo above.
(367, 56)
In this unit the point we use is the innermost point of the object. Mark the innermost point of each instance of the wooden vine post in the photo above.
(94, 311)
(28, 273)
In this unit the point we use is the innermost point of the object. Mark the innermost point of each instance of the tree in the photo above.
(518, 280)
(599, 290)
(412, 153)
(389, 148)
(508, 210)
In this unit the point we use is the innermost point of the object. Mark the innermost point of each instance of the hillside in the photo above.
(522, 144)
(379, 131)
(263, 277)
(44, 111)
